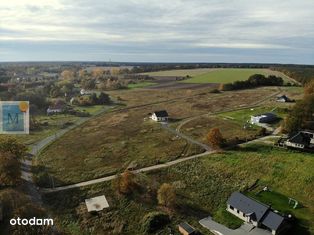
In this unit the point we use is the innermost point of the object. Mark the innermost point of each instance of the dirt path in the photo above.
(256, 104)
(29, 185)
(111, 177)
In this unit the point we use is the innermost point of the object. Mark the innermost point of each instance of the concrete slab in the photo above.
(219, 229)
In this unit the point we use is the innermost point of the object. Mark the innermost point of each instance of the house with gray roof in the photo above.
(160, 116)
(256, 213)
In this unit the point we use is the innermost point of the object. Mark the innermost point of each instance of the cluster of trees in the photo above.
(255, 80)
(10, 153)
(301, 73)
(302, 113)
(92, 99)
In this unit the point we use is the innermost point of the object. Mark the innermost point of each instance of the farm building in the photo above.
(302, 140)
(283, 99)
(256, 213)
(58, 107)
(264, 118)
(160, 116)
(186, 229)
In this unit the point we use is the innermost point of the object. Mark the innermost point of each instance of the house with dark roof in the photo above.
(186, 229)
(256, 213)
(283, 99)
(301, 140)
(160, 116)
(264, 118)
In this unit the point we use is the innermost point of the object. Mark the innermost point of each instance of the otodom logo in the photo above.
(14, 117)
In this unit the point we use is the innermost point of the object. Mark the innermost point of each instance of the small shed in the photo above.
(186, 229)
(96, 204)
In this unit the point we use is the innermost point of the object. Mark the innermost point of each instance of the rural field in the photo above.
(202, 187)
(111, 142)
(231, 130)
(225, 75)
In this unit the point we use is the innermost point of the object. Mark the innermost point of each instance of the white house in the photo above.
(160, 116)
(85, 92)
(264, 118)
(283, 99)
(256, 213)
(302, 140)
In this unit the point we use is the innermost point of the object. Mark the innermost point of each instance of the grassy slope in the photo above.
(203, 186)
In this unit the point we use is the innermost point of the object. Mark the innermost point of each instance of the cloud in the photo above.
(178, 26)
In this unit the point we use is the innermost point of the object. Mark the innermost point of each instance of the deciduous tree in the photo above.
(215, 138)
(166, 195)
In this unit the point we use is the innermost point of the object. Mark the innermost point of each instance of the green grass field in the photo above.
(202, 185)
(227, 75)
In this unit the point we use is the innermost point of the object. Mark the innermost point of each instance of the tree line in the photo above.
(255, 80)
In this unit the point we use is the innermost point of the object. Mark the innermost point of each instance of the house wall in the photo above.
(240, 215)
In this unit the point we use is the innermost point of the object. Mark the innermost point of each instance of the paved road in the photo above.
(219, 229)
(111, 177)
(26, 163)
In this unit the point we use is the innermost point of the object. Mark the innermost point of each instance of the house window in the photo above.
(243, 214)
(238, 211)
(231, 207)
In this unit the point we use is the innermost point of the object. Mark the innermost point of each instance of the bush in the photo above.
(154, 221)
(166, 195)
(214, 91)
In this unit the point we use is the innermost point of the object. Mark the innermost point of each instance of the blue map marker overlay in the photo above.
(13, 120)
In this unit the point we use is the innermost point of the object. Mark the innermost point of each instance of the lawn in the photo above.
(244, 115)
(202, 186)
(141, 85)
(228, 75)
(230, 129)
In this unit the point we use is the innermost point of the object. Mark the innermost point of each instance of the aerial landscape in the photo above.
(156, 117)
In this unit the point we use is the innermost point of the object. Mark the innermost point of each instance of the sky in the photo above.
(259, 31)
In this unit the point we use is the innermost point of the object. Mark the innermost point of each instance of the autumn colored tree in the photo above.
(126, 182)
(215, 138)
(309, 88)
(11, 145)
(221, 87)
(67, 75)
(166, 195)
(10, 172)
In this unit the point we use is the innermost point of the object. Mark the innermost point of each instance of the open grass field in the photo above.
(180, 72)
(229, 75)
(232, 131)
(107, 145)
(53, 124)
(202, 187)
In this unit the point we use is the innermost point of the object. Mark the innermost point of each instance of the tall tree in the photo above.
(215, 138)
